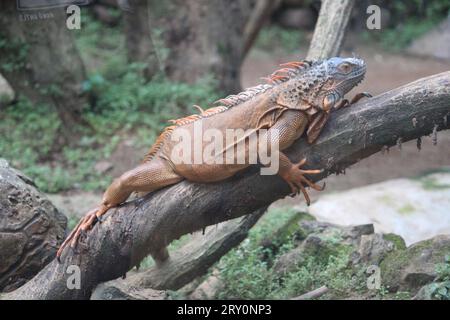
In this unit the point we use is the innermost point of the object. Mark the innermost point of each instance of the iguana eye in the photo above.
(345, 67)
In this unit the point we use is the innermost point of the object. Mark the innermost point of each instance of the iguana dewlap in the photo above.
(297, 99)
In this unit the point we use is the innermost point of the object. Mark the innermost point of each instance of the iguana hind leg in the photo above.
(146, 177)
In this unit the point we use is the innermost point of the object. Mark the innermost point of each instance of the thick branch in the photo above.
(188, 262)
(132, 230)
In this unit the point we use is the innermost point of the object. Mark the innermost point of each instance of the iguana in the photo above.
(298, 98)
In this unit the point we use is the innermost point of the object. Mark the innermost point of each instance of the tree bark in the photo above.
(138, 36)
(188, 262)
(205, 38)
(39, 59)
(132, 230)
(330, 28)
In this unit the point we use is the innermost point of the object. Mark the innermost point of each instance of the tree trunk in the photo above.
(139, 43)
(333, 15)
(205, 38)
(39, 59)
(129, 232)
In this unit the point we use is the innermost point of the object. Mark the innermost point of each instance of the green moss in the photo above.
(440, 291)
(292, 228)
(397, 240)
(443, 269)
(395, 262)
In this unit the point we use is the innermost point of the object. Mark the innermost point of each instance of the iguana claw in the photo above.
(295, 178)
(85, 224)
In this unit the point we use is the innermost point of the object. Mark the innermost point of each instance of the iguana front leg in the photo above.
(289, 127)
(345, 103)
(147, 177)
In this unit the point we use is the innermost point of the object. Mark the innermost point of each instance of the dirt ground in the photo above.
(385, 71)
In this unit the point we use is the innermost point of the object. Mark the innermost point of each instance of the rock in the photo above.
(415, 209)
(356, 232)
(414, 267)
(297, 18)
(435, 43)
(373, 248)
(321, 241)
(31, 228)
(119, 290)
(434, 291)
(288, 261)
(325, 239)
(7, 94)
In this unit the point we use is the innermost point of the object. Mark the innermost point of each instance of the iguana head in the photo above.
(332, 79)
(342, 75)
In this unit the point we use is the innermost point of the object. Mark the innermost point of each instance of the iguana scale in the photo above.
(297, 99)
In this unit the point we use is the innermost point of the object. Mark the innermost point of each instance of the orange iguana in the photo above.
(297, 98)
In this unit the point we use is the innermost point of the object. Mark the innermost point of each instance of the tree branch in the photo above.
(131, 231)
(188, 262)
(330, 29)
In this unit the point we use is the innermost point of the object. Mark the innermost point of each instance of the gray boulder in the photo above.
(31, 228)
(412, 268)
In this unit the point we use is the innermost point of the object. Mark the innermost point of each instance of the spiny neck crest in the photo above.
(288, 71)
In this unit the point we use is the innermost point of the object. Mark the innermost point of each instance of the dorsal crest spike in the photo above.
(287, 71)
